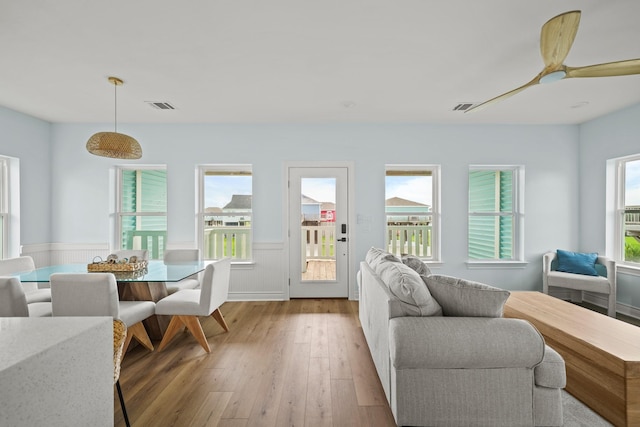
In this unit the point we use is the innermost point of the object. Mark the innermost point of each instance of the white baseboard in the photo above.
(600, 300)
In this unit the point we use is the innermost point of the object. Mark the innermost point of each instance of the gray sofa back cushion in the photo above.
(408, 287)
(376, 256)
(465, 298)
(416, 264)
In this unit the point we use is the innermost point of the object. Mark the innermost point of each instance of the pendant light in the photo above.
(113, 144)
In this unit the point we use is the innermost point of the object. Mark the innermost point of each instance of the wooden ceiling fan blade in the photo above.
(503, 96)
(556, 38)
(609, 69)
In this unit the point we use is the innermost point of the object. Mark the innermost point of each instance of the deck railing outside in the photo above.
(152, 240)
(319, 242)
(409, 239)
(233, 242)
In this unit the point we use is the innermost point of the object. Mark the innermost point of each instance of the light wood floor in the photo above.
(283, 363)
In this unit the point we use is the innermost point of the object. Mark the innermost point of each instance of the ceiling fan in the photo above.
(556, 38)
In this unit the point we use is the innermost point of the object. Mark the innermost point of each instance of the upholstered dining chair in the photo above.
(119, 337)
(23, 264)
(186, 305)
(13, 302)
(142, 254)
(177, 256)
(96, 294)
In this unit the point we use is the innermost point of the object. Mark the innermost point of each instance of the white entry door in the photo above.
(318, 232)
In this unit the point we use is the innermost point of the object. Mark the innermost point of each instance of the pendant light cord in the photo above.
(115, 107)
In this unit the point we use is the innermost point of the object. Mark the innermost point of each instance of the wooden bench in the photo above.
(602, 354)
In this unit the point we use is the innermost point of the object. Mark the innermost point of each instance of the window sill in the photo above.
(496, 264)
(628, 269)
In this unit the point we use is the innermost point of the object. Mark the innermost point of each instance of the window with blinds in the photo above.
(4, 214)
(493, 214)
(142, 212)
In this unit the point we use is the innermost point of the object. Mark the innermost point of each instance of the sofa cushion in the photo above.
(407, 286)
(416, 264)
(465, 298)
(376, 256)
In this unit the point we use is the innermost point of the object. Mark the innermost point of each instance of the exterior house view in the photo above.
(316, 209)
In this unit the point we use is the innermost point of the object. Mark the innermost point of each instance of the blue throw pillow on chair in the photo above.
(577, 262)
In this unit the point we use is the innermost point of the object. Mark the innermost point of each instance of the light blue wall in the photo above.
(612, 136)
(28, 139)
(80, 186)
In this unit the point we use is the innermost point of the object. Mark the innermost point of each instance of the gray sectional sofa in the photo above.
(447, 357)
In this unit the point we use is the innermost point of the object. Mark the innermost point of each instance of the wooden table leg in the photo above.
(147, 291)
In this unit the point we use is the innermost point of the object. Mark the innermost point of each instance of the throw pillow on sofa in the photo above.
(375, 256)
(408, 287)
(465, 298)
(416, 264)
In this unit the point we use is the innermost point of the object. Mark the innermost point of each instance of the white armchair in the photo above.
(604, 283)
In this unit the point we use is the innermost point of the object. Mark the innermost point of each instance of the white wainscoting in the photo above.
(597, 299)
(263, 279)
(45, 254)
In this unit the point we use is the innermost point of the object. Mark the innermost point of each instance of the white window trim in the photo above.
(10, 209)
(435, 260)
(615, 211)
(201, 170)
(518, 218)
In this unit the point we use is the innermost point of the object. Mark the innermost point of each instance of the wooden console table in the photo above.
(602, 354)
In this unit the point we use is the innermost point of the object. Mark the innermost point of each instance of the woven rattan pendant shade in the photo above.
(113, 144)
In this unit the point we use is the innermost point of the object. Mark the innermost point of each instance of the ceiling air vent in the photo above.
(463, 106)
(161, 105)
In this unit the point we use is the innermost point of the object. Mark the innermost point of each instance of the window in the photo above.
(412, 210)
(142, 209)
(225, 212)
(4, 211)
(495, 213)
(627, 224)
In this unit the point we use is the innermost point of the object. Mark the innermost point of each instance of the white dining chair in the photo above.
(177, 256)
(23, 264)
(96, 294)
(13, 302)
(142, 254)
(186, 305)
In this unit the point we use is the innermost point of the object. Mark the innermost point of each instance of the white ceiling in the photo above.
(301, 61)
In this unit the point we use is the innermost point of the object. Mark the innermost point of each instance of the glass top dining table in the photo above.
(156, 271)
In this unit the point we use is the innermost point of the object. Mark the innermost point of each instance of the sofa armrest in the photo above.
(610, 264)
(463, 342)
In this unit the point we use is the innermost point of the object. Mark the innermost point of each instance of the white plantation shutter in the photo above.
(492, 214)
(143, 210)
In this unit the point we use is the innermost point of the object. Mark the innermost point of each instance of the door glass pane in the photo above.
(632, 211)
(318, 229)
